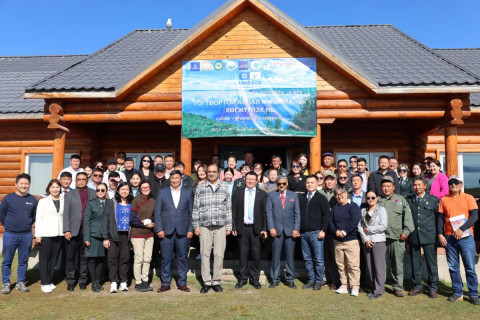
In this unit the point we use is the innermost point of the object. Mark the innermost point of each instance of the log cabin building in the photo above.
(378, 92)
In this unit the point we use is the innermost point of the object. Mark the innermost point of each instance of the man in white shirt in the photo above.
(74, 168)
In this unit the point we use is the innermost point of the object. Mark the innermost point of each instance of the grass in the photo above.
(246, 303)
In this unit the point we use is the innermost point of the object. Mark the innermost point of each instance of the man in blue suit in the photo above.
(283, 222)
(173, 224)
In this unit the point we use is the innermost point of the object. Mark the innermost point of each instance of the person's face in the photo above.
(145, 189)
(296, 167)
(372, 199)
(276, 163)
(157, 160)
(54, 190)
(342, 166)
(202, 175)
(356, 182)
(129, 165)
(232, 163)
(388, 188)
(228, 176)
(311, 184)
(383, 164)
(327, 161)
(245, 170)
(75, 164)
(124, 191)
(330, 183)
(272, 175)
(216, 160)
(212, 174)
(250, 181)
(88, 171)
(96, 177)
(353, 163)
(393, 164)
(101, 192)
(135, 181)
(282, 184)
(258, 170)
(112, 167)
(303, 161)
(113, 183)
(320, 179)
(419, 187)
(66, 181)
(454, 186)
(100, 165)
(342, 179)
(248, 158)
(175, 180)
(22, 185)
(169, 162)
(361, 166)
(402, 172)
(146, 163)
(416, 171)
(121, 159)
(81, 181)
(180, 168)
(341, 197)
(159, 174)
(434, 169)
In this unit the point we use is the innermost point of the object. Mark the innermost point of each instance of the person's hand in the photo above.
(38, 240)
(273, 233)
(197, 232)
(228, 232)
(264, 234)
(189, 235)
(161, 234)
(68, 235)
(442, 240)
(339, 234)
(151, 225)
(369, 244)
(87, 243)
(321, 235)
(295, 234)
(403, 237)
(106, 244)
(234, 233)
(365, 230)
(458, 234)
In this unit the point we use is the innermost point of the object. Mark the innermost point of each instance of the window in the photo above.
(371, 157)
(39, 167)
(468, 170)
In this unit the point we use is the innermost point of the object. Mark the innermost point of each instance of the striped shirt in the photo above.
(212, 206)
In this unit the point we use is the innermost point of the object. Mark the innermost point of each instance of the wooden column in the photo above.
(186, 154)
(451, 151)
(315, 151)
(58, 152)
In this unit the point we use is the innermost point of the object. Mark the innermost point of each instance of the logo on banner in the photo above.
(244, 75)
(242, 65)
(195, 66)
(218, 65)
(231, 65)
(256, 65)
(255, 75)
(206, 66)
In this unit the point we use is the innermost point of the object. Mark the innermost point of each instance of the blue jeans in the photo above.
(466, 248)
(312, 249)
(12, 242)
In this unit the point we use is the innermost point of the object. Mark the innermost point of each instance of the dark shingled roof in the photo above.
(18, 72)
(468, 59)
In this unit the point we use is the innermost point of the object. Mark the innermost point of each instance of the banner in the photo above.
(249, 97)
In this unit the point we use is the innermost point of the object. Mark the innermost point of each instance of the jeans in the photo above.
(12, 242)
(466, 248)
(312, 249)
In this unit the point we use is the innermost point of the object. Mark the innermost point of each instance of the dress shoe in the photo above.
(70, 287)
(374, 296)
(217, 288)
(274, 284)
(455, 297)
(184, 288)
(82, 286)
(163, 289)
(257, 285)
(147, 286)
(475, 301)
(240, 284)
(308, 285)
(414, 292)
(433, 294)
(291, 285)
(399, 293)
(317, 286)
(204, 289)
(140, 287)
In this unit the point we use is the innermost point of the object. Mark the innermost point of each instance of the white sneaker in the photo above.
(123, 286)
(46, 288)
(52, 286)
(354, 292)
(113, 287)
(343, 289)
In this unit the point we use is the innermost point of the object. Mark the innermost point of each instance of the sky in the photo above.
(50, 27)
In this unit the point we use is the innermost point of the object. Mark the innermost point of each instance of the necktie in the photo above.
(282, 197)
(250, 204)
(309, 196)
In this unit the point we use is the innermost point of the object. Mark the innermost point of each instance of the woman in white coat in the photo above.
(49, 232)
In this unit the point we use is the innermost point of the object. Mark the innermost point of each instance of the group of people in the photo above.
(350, 223)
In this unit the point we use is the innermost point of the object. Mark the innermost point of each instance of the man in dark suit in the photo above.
(248, 223)
(173, 224)
(73, 214)
(424, 209)
(283, 222)
(314, 215)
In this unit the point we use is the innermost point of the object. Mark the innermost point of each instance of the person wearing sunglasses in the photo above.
(92, 236)
(372, 226)
(296, 179)
(97, 177)
(146, 168)
(406, 184)
(320, 178)
(353, 164)
(458, 212)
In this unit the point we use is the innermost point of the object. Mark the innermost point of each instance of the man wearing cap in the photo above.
(327, 162)
(376, 177)
(400, 225)
(455, 232)
(424, 208)
(74, 168)
(159, 181)
(112, 167)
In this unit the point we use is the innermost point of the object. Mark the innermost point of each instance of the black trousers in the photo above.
(48, 254)
(249, 244)
(119, 258)
(95, 268)
(76, 260)
(331, 269)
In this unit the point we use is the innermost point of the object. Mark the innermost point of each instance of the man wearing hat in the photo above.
(112, 167)
(455, 232)
(400, 225)
(327, 162)
(159, 181)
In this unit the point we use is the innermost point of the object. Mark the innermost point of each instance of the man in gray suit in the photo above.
(74, 209)
(283, 222)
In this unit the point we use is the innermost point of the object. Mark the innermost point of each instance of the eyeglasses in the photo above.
(211, 171)
(402, 170)
(98, 175)
(453, 182)
(342, 166)
(281, 183)
(321, 178)
(370, 198)
(101, 190)
(343, 178)
(80, 179)
(146, 160)
(296, 166)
